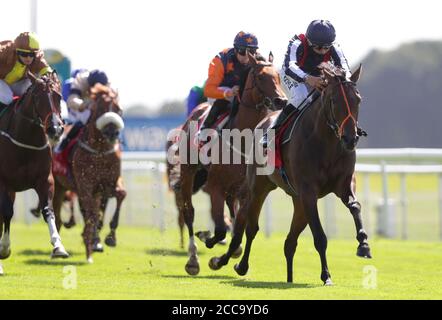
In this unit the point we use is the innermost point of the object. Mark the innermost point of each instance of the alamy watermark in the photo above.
(69, 281)
(233, 146)
(370, 277)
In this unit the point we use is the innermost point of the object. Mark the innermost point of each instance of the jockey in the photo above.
(224, 74)
(67, 84)
(300, 73)
(16, 58)
(195, 98)
(78, 101)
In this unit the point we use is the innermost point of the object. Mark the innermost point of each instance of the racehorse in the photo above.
(27, 130)
(319, 159)
(260, 90)
(173, 180)
(95, 163)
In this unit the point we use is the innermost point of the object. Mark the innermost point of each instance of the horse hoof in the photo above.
(4, 254)
(1, 270)
(90, 260)
(192, 270)
(364, 252)
(203, 235)
(110, 241)
(35, 212)
(214, 263)
(59, 252)
(328, 282)
(239, 270)
(69, 224)
(237, 253)
(98, 247)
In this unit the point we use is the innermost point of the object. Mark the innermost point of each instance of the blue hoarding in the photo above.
(148, 134)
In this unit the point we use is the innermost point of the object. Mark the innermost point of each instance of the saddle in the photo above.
(218, 125)
(60, 160)
(285, 133)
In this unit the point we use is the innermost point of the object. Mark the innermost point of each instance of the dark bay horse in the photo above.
(95, 163)
(319, 159)
(27, 131)
(259, 92)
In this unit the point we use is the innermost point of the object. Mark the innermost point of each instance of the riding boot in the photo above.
(280, 120)
(218, 107)
(71, 135)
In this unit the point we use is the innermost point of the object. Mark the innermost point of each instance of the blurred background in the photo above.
(155, 52)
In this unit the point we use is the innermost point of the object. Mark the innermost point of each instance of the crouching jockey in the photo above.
(78, 102)
(16, 58)
(300, 74)
(224, 75)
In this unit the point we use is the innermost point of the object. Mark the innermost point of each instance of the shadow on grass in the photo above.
(46, 253)
(210, 277)
(270, 285)
(49, 262)
(167, 252)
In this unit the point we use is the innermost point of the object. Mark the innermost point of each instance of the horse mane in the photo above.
(105, 92)
(333, 70)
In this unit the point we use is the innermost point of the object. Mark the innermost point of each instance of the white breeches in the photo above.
(82, 116)
(7, 91)
(295, 91)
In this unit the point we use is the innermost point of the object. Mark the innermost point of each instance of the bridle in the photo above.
(265, 101)
(332, 123)
(35, 119)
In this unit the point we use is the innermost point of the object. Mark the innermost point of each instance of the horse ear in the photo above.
(32, 77)
(252, 59)
(357, 74)
(271, 57)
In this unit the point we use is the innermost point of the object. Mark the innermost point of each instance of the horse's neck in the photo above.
(320, 129)
(92, 136)
(21, 125)
(248, 117)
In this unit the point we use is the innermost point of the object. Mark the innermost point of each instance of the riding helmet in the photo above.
(97, 76)
(321, 33)
(245, 40)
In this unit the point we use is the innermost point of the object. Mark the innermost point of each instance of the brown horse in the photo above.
(27, 130)
(319, 159)
(95, 163)
(173, 180)
(260, 90)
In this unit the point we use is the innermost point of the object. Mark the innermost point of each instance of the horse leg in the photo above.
(111, 238)
(59, 194)
(299, 222)
(45, 191)
(310, 205)
(184, 197)
(71, 223)
(97, 246)
(252, 228)
(181, 225)
(230, 222)
(217, 211)
(89, 204)
(7, 212)
(350, 201)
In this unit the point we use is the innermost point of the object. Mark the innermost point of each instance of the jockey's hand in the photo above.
(85, 105)
(316, 82)
(229, 93)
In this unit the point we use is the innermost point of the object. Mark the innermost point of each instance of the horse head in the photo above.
(106, 112)
(340, 103)
(262, 88)
(44, 97)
